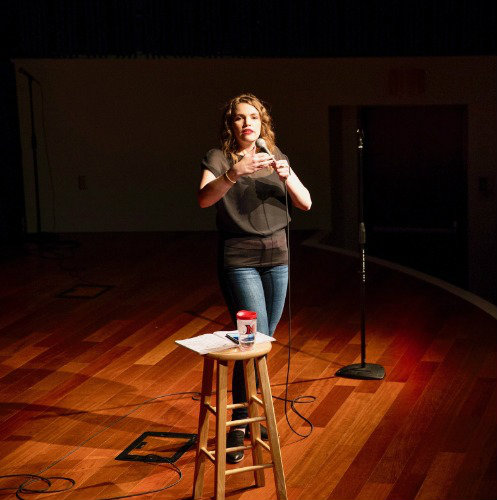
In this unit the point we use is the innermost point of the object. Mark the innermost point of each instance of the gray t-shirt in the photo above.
(251, 216)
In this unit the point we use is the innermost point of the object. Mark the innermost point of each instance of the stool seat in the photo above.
(236, 354)
(253, 359)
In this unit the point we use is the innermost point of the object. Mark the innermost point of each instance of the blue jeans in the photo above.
(259, 289)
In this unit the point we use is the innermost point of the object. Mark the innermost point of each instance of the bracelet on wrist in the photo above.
(228, 178)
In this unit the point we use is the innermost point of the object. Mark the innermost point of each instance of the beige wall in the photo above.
(137, 129)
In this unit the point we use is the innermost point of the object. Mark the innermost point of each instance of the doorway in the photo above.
(415, 187)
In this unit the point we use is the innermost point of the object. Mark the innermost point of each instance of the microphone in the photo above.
(261, 144)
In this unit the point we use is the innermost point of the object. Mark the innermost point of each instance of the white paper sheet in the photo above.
(217, 341)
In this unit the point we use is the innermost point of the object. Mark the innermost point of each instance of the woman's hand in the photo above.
(212, 188)
(282, 169)
(298, 192)
(250, 164)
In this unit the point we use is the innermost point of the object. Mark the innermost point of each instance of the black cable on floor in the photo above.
(24, 488)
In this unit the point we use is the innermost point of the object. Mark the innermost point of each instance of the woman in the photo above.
(248, 188)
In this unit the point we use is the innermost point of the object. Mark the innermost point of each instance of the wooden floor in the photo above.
(74, 372)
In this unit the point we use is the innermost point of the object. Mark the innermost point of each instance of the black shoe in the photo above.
(264, 435)
(234, 439)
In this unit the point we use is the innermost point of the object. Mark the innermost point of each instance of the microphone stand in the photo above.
(362, 370)
(34, 148)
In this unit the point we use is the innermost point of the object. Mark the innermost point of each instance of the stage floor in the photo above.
(87, 337)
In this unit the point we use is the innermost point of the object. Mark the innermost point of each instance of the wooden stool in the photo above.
(218, 456)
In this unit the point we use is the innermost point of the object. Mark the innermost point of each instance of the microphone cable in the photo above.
(303, 399)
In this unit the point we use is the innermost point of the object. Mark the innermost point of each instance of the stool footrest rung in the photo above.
(255, 399)
(239, 448)
(263, 444)
(209, 454)
(244, 421)
(249, 468)
(234, 448)
(212, 409)
(236, 405)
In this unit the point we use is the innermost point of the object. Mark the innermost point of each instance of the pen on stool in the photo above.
(232, 339)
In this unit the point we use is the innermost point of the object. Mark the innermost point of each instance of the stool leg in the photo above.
(203, 428)
(221, 389)
(272, 430)
(255, 427)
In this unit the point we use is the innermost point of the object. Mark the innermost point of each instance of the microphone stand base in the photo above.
(366, 371)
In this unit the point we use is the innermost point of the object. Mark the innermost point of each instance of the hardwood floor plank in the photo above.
(455, 392)
(327, 408)
(360, 470)
(487, 488)
(346, 433)
(440, 476)
(459, 432)
(378, 491)
(480, 455)
(413, 429)
(189, 330)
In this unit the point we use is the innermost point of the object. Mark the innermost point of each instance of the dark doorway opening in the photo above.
(11, 179)
(415, 187)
